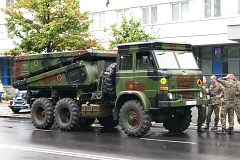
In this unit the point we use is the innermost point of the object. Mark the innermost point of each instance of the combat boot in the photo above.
(200, 130)
(214, 127)
(223, 132)
(228, 129)
(230, 132)
(207, 126)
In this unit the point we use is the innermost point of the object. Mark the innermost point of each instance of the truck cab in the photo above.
(163, 77)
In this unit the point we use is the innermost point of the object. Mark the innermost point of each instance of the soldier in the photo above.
(228, 104)
(1, 91)
(237, 101)
(215, 90)
(202, 109)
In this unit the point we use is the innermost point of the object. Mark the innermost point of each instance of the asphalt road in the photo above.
(19, 139)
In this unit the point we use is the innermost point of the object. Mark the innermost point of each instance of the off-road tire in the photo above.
(109, 80)
(108, 122)
(42, 113)
(16, 110)
(178, 122)
(133, 119)
(67, 114)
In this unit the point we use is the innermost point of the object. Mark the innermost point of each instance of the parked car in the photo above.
(20, 102)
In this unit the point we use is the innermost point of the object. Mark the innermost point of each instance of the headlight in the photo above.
(200, 95)
(170, 95)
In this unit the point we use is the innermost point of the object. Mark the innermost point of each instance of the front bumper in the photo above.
(182, 103)
(19, 106)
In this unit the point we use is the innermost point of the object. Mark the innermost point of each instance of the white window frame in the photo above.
(213, 10)
(98, 20)
(119, 14)
(238, 6)
(148, 18)
(8, 4)
(180, 16)
(4, 31)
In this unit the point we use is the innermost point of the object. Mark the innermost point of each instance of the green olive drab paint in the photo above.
(139, 83)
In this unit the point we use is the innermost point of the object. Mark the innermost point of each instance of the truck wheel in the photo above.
(15, 110)
(42, 113)
(133, 119)
(108, 122)
(109, 80)
(67, 114)
(178, 122)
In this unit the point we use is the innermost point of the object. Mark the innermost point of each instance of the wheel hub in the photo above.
(132, 119)
(40, 114)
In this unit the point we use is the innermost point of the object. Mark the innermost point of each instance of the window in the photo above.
(95, 21)
(143, 61)
(3, 31)
(121, 13)
(149, 15)
(231, 60)
(102, 20)
(238, 6)
(212, 8)
(180, 11)
(6, 72)
(126, 62)
(98, 20)
(9, 2)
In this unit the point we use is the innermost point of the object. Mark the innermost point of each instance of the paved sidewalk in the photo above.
(6, 112)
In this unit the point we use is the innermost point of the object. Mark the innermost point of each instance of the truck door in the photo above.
(143, 75)
(124, 72)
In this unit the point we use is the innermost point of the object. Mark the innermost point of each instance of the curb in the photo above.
(13, 117)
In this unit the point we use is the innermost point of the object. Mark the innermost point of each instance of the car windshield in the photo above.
(175, 60)
(19, 95)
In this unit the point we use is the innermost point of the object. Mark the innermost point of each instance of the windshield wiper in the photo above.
(161, 54)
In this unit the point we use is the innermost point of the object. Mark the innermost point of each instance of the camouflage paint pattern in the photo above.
(78, 69)
(83, 73)
(31, 65)
(182, 84)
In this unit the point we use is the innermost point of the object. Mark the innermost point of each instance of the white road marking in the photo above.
(162, 140)
(63, 153)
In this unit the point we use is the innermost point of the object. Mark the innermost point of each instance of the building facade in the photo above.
(211, 26)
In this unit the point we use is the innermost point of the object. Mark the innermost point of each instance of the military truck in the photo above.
(140, 83)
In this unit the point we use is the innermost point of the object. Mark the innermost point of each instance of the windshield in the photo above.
(175, 60)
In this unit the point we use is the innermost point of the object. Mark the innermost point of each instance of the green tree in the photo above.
(48, 26)
(129, 31)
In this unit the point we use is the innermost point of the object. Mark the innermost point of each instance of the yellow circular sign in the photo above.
(163, 80)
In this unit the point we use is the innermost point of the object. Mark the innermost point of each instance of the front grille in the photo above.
(185, 85)
(186, 95)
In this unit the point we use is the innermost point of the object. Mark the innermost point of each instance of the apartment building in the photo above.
(211, 26)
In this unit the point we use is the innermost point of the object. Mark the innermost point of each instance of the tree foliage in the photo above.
(129, 31)
(48, 26)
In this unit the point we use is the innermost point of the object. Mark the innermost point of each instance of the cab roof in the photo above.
(154, 45)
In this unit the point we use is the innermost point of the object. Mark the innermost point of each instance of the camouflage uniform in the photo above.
(228, 102)
(214, 90)
(202, 110)
(237, 103)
